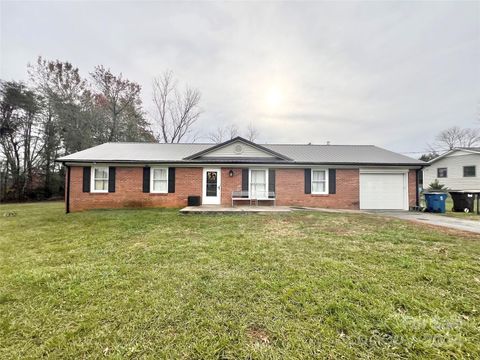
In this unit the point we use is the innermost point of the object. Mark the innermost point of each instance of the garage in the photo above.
(383, 189)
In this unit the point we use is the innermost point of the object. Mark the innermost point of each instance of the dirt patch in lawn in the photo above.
(258, 335)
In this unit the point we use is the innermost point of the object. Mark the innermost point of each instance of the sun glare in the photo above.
(274, 97)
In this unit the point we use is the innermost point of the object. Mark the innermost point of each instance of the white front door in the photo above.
(211, 186)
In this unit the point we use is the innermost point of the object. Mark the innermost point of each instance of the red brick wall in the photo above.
(290, 190)
(412, 184)
(129, 193)
(230, 184)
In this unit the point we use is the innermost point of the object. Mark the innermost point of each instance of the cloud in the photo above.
(390, 74)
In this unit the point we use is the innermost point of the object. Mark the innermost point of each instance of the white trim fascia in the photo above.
(242, 166)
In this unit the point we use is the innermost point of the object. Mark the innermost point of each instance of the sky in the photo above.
(392, 74)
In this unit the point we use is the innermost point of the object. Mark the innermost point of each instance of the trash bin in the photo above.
(435, 201)
(462, 201)
(193, 200)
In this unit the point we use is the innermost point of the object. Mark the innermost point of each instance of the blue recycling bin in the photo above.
(435, 202)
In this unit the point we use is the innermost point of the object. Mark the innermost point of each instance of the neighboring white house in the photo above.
(457, 169)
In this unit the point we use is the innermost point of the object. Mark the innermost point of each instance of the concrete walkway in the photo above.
(217, 209)
(433, 219)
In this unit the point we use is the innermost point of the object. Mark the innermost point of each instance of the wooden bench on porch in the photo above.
(244, 195)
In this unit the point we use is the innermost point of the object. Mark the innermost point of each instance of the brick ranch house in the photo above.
(118, 175)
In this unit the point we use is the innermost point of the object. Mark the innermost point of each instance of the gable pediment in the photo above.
(458, 152)
(238, 148)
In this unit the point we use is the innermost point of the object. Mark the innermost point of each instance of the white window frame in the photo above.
(446, 173)
(467, 166)
(92, 178)
(151, 179)
(250, 182)
(326, 181)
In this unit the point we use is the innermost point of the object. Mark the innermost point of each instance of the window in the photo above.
(442, 172)
(258, 184)
(469, 171)
(159, 180)
(99, 179)
(319, 182)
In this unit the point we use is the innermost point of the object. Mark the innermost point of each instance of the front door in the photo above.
(211, 186)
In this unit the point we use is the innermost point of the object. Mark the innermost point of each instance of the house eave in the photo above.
(238, 162)
(447, 154)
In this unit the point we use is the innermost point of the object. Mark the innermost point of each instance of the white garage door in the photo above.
(383, 191)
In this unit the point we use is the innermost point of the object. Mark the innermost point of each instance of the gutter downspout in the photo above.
(67, 197)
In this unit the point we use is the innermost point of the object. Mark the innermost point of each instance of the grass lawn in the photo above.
(157, 284)
(460, 215)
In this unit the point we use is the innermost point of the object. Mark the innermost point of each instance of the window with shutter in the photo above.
(99, 179)
(158, 180)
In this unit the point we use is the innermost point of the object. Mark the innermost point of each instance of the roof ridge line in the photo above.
(205, 143)
(152, 143)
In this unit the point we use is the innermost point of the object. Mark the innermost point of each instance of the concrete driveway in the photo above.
(433, 219)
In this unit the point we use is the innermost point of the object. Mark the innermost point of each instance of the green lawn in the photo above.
(157, 284)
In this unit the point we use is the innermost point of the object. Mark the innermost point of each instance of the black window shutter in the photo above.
(171, 180)
(111, 179)
(86, 178)
(332, 181)
(308, 181)
(146, 179)
(271, 180)
(244, 179)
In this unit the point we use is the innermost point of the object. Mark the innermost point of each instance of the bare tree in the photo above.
(222, 134)
(228, 132)
(252, 133)
(470, 138)
(176, 112)
(457, 137)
